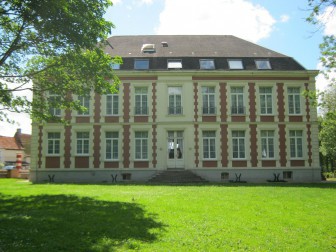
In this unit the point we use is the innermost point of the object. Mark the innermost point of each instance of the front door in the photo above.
(175, 149)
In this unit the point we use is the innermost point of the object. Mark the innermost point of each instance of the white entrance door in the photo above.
(175, 152)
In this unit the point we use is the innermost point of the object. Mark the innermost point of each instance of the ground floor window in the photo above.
(238, 144)
(83, 143)
(112, 145)
(295, 138)
(141, 145)
(54, 143)
(267, 143)
(209, 144)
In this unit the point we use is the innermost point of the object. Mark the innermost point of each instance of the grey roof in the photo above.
(191, 48)
(188, 46)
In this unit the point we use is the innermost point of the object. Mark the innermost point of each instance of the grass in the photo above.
(59, 217)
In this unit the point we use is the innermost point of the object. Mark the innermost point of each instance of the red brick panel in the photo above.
(40, 142)
(196, 140)
(208, 118)
(111, 119)
(141, 164)
(295, 118)
(282, 144)
(238, 118)
(96, 146)
(154, 146)
(67, 147)
(224, 142)
(127, 102)
(209, 164)
(82, 162)
(267, 118)
(309, 141)
(281, 102)
(141, 119)
(97, 103)
(223, 98)
(53, 162)
(297, 162)
(111, 164)
(239, 163)
(268, 163)
(252, 96)
(126, 149)
(254, 146)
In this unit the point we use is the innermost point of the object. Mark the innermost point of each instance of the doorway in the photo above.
(175, 151)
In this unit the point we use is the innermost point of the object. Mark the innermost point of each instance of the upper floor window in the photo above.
(83, 143)
(237, 100)
(141, 64)
(174, 100)
(141, 101)
(294, 104)
(263, 64)
(112, 145)
(209, 144)
(115, 66)
(112, 104)
(54, 141)
(235, 64)
(266, 100)
(174, 64)
(207, 64)
(238, 144)
(84, 101)
(295, 138)
(208, 96)
(53, 100)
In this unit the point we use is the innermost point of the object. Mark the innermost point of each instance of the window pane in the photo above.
(207, 64)
(235, 64)
(141, 64)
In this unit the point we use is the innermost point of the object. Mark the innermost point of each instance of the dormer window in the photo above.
(207, 64)
(235, 64)
(263, 64)
(141, 64)
(175, 64)
(148, 48)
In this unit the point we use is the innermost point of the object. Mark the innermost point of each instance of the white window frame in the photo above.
(239, 141)
(209, 144)
(141, 100)
(84, 102)
(141, 140)
(208, 100)
(296, 144)
(112, 104)
(111, 145)
(53, 143)
(267, 144)
(294, 100)
(237, 100)
(81, 143)
(175, 100)
(266, 100)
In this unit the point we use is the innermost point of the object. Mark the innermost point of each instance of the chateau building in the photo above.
(219, 106)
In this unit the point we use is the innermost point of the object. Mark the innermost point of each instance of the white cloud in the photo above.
(328, 19)
(115, 2)
(228, 17)
(321, 82)
(147, 2)
(284, 18)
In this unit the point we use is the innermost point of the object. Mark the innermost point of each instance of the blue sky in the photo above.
(276, 24)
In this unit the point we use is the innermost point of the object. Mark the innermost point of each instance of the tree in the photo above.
(59, 46)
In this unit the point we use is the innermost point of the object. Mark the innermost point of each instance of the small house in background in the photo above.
(11, 146)
(217, 106)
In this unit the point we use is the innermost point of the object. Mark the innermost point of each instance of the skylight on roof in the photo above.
(235, 64)
(263, 64)
(207, 64)
(150, 48)
(174, 64)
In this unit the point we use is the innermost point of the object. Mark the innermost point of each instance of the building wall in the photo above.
(94, 167)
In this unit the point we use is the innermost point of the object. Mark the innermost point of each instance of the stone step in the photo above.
(176, 176)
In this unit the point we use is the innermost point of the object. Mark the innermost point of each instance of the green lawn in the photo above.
(244, 217)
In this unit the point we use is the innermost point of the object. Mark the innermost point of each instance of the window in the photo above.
(266, 100)
(141, 64)
(295, 138)
(112, 143)
(287, 175)
(115, 66)
(112, 104)
(53, 101)
(141, 145)
(83, 143)
(84, 102)
(267, 143)
(207, 64)
(174, 100)
(208, 96)
(294, 105)
(54, 141)
(141, 101)
(235, 64)
(263, 64)
(238, 144)
(174, 64)
(209, 144)
(237, 100)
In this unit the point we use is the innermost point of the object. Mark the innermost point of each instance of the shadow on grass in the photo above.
(71, 223)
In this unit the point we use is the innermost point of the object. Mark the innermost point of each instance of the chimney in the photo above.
(17, 137)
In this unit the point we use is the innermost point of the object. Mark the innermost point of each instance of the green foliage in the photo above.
(45, 41)
(51, 217)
